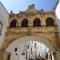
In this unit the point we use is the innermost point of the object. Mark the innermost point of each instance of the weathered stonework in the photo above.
(12, 34)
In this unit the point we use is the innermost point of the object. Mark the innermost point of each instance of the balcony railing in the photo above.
(33, 29)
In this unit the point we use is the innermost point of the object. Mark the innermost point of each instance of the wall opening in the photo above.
(1, 27)
(24, 23)
(49, 22)
(13, 23)
(29, 49)
(36, 22)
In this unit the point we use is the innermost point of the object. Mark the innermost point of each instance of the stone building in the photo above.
(30, 25)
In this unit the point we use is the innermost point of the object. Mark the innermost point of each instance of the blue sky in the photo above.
(21, 5)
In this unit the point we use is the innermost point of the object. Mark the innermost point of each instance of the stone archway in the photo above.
(21, 41)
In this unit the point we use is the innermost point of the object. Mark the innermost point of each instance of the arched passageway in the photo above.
(29, 48)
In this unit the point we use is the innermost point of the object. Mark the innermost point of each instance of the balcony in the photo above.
(42, 29)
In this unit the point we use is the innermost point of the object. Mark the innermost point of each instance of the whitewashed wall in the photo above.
(58, 17)
(4, 16)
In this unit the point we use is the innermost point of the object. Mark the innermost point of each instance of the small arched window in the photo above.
(24, 23)
(13, 23)
(49, 21)
(15, 49)
(36, 22)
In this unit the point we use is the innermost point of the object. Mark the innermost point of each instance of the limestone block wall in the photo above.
(49, 32)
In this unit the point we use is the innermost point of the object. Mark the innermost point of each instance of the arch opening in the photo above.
(30, 48)
(49, 21)
(24, 23)
(13, 23)
(36, 22)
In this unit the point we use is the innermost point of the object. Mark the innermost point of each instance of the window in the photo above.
(24, 23)
(36, 22)
(49, 22)
(15, 49)
(23, 53)
(0, 27)
(13, 23)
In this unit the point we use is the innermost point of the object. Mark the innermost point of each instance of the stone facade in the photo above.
(49, 33)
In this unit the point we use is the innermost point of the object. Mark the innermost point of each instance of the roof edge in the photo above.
(54, 8)
(4, 7)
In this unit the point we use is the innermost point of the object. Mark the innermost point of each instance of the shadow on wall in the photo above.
(58, 23)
